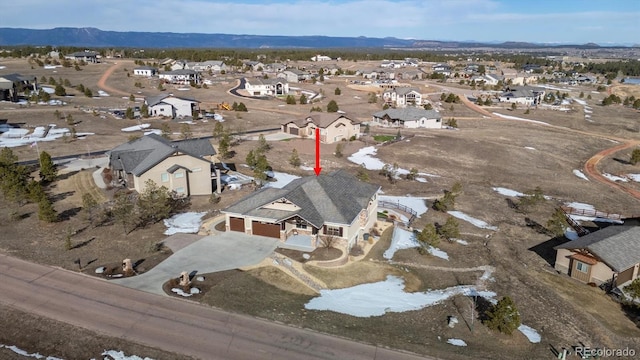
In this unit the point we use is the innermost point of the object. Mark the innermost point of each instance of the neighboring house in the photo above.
(321, 58)
(276, 67)
(145, 71)
(441, 67)
(13, 84)
(525, 95)
(608, 255)
(266, 87)
(210, 65)
(179, 65)
(309, 210)
(254, 65)
(333, 127)
(166, 62)
(408, 118)
(409, 74)
(86, 56)
(181, 166)
(402, 96)
(295, 75)
(171, 106)
(181, 76)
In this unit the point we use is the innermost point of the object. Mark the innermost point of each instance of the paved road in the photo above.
(162, 322)
(212, 253)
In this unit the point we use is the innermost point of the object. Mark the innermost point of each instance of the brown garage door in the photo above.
(264, 229)
(236, 224)
(293, 131)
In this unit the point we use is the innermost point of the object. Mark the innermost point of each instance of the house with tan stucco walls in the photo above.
(610, 255)
(333, 127)
(182, 166)
(308, 211)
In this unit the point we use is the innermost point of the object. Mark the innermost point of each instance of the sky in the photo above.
(541, 21)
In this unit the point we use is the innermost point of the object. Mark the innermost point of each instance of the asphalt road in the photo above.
(166, 323)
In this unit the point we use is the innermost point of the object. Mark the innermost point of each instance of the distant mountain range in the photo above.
(92, 37)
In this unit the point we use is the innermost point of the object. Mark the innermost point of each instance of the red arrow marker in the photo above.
(317, 169)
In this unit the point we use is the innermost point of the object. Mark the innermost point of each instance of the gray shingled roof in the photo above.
(336, 198)
(140, 155)
(408, 114)
(403, 90)
(617, 246)
(321, 120)
(154, 100)
(262, 81)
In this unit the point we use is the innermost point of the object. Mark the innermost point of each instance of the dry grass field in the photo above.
(481, 154)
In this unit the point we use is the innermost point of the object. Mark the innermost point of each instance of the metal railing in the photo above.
(404, 208)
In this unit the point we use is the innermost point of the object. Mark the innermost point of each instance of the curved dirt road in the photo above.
(102, 82)
(590, 167)
(166, 323)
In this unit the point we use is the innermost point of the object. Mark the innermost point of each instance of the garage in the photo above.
(293, 130)
(266, 229)
(236, 224)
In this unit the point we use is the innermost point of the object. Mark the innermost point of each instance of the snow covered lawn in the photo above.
(507, 192)
(521, 119)
(184, 223)
(376, 299)
(403, 239)
(615, 178)
(281, 180)
(475, 222)
(365, 157)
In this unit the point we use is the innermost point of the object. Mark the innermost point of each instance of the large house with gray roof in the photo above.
(525, 95)
(171, 106)
(409, 117)
(333, 127)
(402, 96)
(182, 166)
(608, 255)
(309, 210)
(266, 87)
(181, 76)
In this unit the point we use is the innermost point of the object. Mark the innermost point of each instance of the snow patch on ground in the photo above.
(376, 299)
(416, 203)
(184, 223)
(476, 222)
(281, 180)
(580, 101)
(19, 351)
(530, 148)
(438, 253)
(401, 239)
(507, 192)
(120, 355)
(306, 168)
(615, 178)
(365, 156)
(135, 128)
(421, 179)
(580, 174)
(519, 118)
(462, 242)
(531, 333)
(457, 342)
(571, 234)
(634, 177)
(580, 206)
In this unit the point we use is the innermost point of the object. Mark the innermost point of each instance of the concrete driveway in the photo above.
(224, 251)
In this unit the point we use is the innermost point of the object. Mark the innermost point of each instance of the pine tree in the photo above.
(303, 99)
(166, 131)
(223, 145)
(428, 236)
(635, 156)
(332, 106)
(294, 160)
(46, 212)
(503, 316)
(48, 170)
(337, 91)
(450, 229)
(60, 91)
(338, 152)
(144, 110)
(122, 210)
(251, 159)
(89, 204)
(153, 203)
(263, 145)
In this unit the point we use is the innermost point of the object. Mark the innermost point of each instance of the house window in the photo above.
(179, 175)
(582, 267)
(334, 231)
(301, 224)
(180, 190)
(164, 177)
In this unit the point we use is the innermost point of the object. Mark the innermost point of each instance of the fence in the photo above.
(404, 208)
(591, 213)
